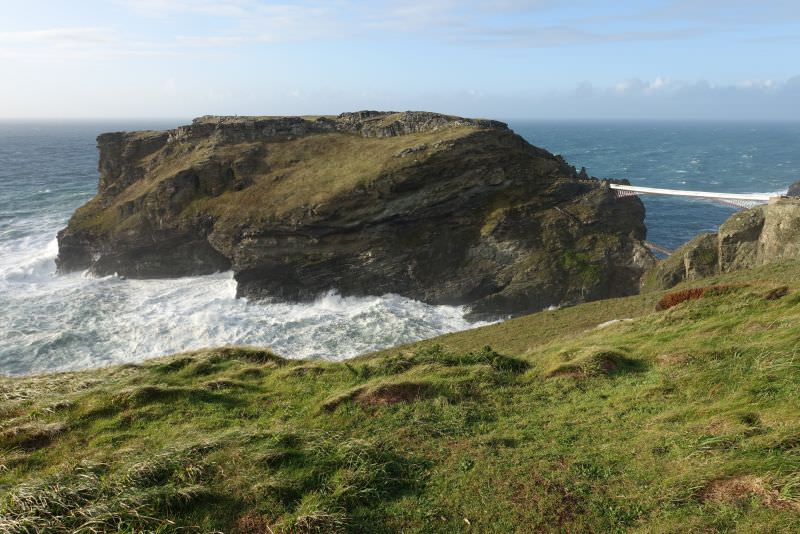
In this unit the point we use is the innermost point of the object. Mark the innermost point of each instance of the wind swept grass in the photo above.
(680, 420)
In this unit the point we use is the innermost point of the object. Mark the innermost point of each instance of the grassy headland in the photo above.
(679, 420)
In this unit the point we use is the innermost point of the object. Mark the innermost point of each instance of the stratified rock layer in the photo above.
(437, 208)
(747, 239)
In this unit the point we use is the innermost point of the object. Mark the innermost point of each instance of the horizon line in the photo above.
(499, 118)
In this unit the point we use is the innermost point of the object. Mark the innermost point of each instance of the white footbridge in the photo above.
(738, 200)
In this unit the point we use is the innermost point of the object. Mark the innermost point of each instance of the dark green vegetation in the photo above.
(680, 420)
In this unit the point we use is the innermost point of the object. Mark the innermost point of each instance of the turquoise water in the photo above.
(50, 322)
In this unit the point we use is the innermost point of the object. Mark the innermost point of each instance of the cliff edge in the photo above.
(443, 209)
(748, 239)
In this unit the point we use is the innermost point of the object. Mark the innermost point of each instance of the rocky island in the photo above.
(442, 209)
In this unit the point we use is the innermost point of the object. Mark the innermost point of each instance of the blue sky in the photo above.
(671, 59)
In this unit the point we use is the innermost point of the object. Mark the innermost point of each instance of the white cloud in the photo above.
(75, 44)
(634, 85)
(470, 22)
(58, 37)
(757, 84)
(658, 84)
(666, 86)
(216, 8)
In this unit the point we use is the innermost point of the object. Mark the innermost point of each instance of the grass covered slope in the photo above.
(680, 420)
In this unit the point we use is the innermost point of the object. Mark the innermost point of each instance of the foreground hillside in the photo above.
(684, 419)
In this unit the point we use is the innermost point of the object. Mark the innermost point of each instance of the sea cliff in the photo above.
(442, 209)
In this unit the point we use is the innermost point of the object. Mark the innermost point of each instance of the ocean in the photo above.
(50, 322)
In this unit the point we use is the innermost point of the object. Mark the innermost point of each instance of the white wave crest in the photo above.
(73, 322)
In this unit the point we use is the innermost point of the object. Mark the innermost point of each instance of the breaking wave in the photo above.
(76, 321)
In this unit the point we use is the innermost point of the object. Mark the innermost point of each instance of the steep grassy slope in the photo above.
(679, 420)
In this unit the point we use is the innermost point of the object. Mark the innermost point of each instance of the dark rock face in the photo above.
(441, 209)
(696, 259)
(747, 239)
(794, 189)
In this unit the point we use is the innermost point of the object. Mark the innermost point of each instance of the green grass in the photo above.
(294, 174)
(685, 420)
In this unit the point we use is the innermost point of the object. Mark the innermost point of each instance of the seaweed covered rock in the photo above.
(442, 209)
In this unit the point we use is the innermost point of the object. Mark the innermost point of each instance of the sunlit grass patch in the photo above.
(680, 420)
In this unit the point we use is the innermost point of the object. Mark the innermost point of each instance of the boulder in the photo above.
(738, 240)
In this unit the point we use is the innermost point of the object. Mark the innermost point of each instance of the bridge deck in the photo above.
(763, 197)
(739, 200)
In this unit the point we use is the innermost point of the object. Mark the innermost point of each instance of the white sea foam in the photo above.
(51, 322)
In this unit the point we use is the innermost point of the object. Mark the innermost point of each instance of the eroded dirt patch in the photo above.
(739, 490)
(382, 395)
(776, 293)
(252, 523)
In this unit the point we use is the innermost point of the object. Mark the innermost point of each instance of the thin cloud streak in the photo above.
(445, 21)
(74, 44)
(216, 8)
(58, 36)
(547, 37)
(470, 22)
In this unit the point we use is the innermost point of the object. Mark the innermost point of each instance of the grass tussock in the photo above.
(382, 394)
(592, 361)
(32, 435)
(685, 421)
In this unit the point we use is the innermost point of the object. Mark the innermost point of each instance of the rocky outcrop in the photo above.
(794, 189)
(696, 259)
(438, 208)
(747, 239)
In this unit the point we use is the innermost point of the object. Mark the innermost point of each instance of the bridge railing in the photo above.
(739, 200)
